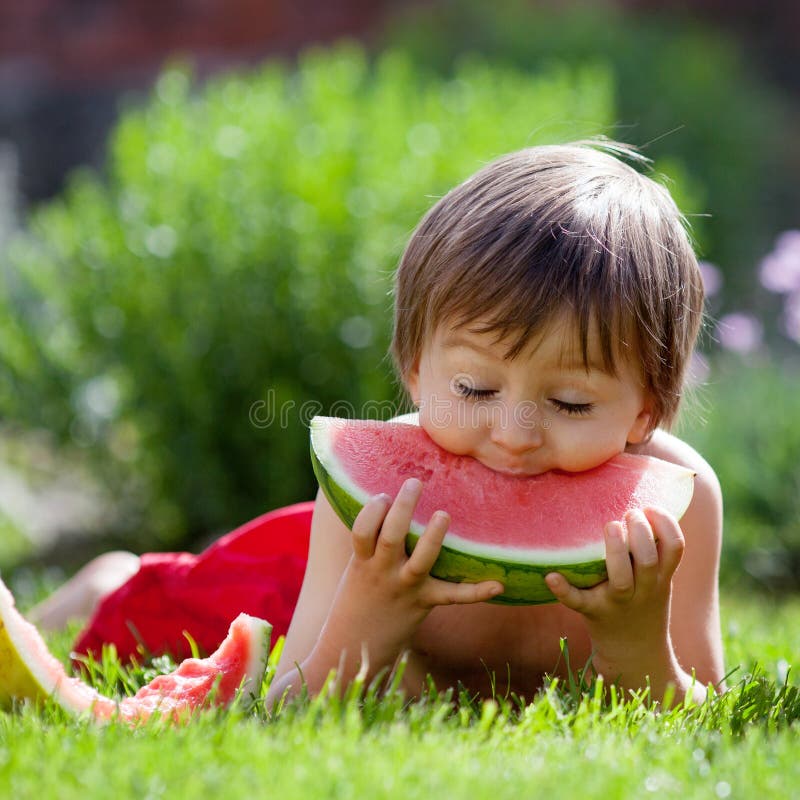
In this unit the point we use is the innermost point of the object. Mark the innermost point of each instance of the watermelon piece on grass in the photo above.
(514, 529)
(30, 672)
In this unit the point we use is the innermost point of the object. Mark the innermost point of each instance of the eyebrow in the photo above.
(592, 366)
(454, 340)
(569, 362)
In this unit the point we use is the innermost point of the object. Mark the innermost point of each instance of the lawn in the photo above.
(564, 744)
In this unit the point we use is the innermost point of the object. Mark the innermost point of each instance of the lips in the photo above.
(515, 468)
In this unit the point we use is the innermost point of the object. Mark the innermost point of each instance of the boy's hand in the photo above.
(628, 614)
(384, 594)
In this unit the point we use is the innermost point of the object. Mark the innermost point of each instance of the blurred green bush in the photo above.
(14, 545)
(235, 264)
(744, 420)
(683, 91)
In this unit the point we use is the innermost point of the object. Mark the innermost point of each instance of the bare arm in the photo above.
(366, 595)
(694, 612)
(657, 616)
(330, 550)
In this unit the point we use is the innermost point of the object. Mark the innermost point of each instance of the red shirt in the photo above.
(258, 569)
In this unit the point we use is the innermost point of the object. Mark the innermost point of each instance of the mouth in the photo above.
(513, 467)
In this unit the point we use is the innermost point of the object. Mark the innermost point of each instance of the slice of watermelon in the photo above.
(503, 527)
(28, 671)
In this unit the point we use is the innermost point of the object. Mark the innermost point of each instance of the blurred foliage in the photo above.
(744, 420)
(234, 264)
(683, 92)
(14, 545)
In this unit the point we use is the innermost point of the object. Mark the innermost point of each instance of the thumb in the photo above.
(564, 591)
(446, 593)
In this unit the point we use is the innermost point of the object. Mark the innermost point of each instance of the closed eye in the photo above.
(573, 409)
(470, 391)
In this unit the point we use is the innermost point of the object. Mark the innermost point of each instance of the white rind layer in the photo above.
(322, 441)
(42, 666)
(260, 632)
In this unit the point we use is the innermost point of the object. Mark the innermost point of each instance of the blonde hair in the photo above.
(552, 229)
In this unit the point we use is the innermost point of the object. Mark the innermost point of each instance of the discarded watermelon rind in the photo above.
(29, 673)
(523, 582)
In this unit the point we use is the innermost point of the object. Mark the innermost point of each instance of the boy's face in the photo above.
(541, 411)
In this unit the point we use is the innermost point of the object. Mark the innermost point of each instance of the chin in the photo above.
(519, 473)
(587, 464)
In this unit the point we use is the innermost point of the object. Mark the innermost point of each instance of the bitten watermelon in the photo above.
(503, 527)
(29, 672)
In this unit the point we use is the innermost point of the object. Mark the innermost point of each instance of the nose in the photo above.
(518, 431)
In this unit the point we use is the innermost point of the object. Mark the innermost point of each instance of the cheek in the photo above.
(448, 434)
(584, 446)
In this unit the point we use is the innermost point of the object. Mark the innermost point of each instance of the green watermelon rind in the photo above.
(30, 673)
(524, 583)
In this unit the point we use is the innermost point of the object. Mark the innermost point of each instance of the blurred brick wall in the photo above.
(102, 40)
(63, 63)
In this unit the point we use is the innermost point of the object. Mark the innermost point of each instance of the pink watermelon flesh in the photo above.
(496, 511)
(197, 682)
(28, 671)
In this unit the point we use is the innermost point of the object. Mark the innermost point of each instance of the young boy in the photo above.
(557, 282)
(560, 280)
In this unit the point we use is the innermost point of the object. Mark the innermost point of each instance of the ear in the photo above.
(412, 383)
(641, 425)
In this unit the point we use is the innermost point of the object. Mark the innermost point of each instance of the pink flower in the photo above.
(712, 278)
(780, 270)
(740, 332)
(788, 240)
(791, 316)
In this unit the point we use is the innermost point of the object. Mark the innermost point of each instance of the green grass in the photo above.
(566, 743)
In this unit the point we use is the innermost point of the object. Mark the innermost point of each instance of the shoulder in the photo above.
(705, 511)
(669, 447)
(695, 626)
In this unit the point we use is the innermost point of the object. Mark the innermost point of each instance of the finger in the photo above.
(642, 545)
(621, 583)
(394, 530)
(564, 591)
(669, 539)
(428, 546)
(367, 525)
(444, 593)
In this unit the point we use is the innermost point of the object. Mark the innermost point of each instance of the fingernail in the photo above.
(441, 516)
(412, 485)
(382, 497)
